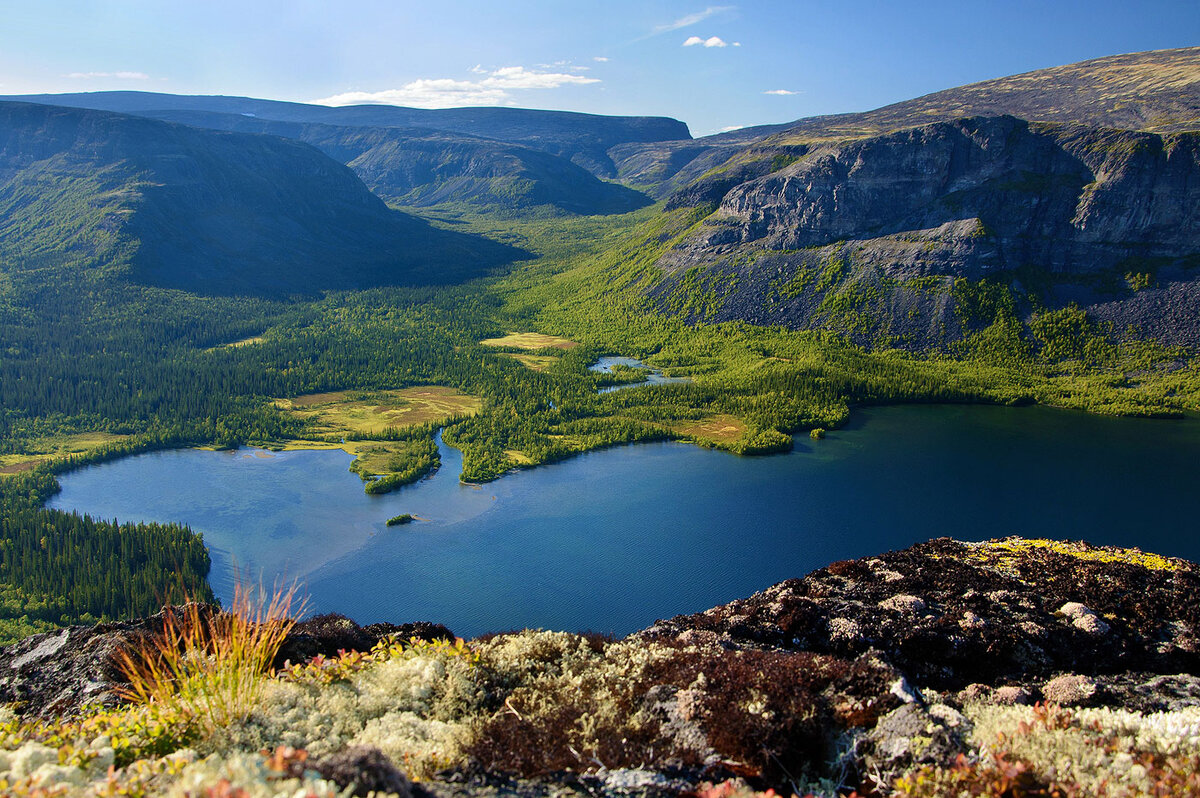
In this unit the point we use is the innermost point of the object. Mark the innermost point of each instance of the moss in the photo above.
(1005, 554)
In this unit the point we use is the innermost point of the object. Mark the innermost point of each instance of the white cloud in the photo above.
(450, 93)
(781, 92)
(731, 128)
(692, 19)
(118, 75)
(522, 78)
(601, 58)
(711, 41)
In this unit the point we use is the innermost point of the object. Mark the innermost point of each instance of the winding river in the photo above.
(612, 540)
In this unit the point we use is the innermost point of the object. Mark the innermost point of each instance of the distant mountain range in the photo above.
(1078, 184)
(210, 212)
(510, 157)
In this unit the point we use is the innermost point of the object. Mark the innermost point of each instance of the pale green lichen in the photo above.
(1111, 751)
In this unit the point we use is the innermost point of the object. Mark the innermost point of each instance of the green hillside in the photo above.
(216, 213)
(421, 167)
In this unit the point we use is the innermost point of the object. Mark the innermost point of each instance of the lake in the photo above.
(612, 540)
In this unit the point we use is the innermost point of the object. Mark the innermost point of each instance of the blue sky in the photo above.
(713, 65)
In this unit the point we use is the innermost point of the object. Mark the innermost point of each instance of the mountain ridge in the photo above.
(422, 166)
(1155, 90)
(557, 132)
(209, 211)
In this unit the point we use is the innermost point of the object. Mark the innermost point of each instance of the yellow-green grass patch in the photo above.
(40, 450)
(251, 341)
(530, 341)
(534, 362)
(371, 412)
(518, 457)
(719, 430)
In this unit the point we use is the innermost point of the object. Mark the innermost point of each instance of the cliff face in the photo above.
(1157, 91)
(966, 198)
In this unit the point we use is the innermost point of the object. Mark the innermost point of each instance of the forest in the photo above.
(156, 368)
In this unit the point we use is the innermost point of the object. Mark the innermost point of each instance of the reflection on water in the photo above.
(614, 539)
(653, 376)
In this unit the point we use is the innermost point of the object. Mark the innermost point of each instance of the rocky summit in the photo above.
(1009, 667)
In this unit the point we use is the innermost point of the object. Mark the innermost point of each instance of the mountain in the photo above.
(210, 212)
(581, 138)
(1156, 91)
(868, 236)
(416, 166)
(1074, 185)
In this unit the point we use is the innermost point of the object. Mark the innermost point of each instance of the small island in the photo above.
(398, 520)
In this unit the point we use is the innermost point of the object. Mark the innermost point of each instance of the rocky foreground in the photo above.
(1013, 667)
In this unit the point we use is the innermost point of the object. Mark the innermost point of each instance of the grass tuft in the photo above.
(209, 665)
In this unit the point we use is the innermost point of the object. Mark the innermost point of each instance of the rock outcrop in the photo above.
(946, 665)
(58, 674)
(869, 235)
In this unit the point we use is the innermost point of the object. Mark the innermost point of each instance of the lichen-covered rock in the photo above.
(363, 771)
(58, 673)
(913, 735)
(992, 613)
(1072, 690)
(1083, 618)
(327, 634)
(928, 671)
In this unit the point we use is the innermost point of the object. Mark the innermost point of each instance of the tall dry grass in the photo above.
(209, 665)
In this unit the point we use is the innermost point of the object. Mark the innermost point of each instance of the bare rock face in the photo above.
(57, 673)
(892, 220)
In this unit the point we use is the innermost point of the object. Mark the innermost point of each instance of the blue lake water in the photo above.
(614, 539)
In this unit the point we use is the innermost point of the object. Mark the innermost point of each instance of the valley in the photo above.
(217, 272)
(611, 400)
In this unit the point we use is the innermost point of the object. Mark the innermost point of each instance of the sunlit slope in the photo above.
(1156, 91)
(421, 167)
(214, 213)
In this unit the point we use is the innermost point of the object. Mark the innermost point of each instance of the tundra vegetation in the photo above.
(724, 703)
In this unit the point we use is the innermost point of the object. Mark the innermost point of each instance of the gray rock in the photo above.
(1084, 619)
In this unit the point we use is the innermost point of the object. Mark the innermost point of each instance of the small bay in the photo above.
(612, 540)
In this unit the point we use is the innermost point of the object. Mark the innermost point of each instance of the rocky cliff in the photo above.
(1011, 667)
(1155, 91)
(869, 235)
